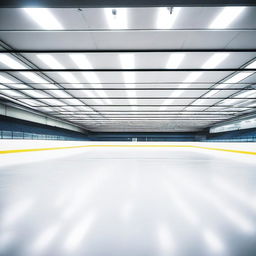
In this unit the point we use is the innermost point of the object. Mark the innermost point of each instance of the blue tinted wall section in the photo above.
(11, 128)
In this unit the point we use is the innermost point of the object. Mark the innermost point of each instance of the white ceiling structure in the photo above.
(131, 69)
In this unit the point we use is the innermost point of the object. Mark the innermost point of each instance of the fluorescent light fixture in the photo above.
(215, 60)
(81, 61)
(252, 65)
(4, 80)
(166, 17)
(32, 102)
(238, 77)
(12, 93)
(91, 77)
(211, 93)
(198, 102)
(59, 93)
(175, 60)
(246, 94)
(129, 77)
(53, 102)
(116, 18)
(193, 77)
(229, 102)
(50, 61)
(127, 61)
(33, 77)
(213, 241)
(10, 62)
(226, 17)
(190, 78)
(72, 101)
(36, 94)
(44, 18)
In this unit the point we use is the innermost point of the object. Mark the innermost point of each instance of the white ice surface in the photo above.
(127, 201)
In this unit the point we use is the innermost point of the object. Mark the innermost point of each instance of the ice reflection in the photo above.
(46, 237)
(213, 241)
(165, 239)
(235, 192)
(182, 205)
(77, 235)
(16, 211)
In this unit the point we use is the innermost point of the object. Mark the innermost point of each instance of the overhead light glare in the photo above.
(116, 18)
(226, 17)
(175, 60)
(81, 61)
(50, 61)
(238, 77)
(215, 60)
(34, 77)
(166, 17)
(10, 62)
(44, 18)
(127, 61)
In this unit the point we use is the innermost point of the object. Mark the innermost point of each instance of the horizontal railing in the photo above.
(33, 136)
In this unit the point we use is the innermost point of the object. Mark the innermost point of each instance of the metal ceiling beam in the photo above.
(155, 105)
(135, 30)
(130, 89)
(142, 111)
(136, 98)
(129, 114)
(121, 3)
(132, 70)
(100, 51)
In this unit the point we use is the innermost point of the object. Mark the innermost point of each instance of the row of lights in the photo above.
(118, 18)
(127, 62)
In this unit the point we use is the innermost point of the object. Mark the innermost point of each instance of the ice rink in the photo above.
(115, 201)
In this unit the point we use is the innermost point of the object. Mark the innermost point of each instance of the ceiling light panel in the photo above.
(44, 18)
(10, 62)
(252, 65)
(166, 17)
(4, 80)
(34, 77)
(59, 93)
(226, 17)
(215, 60)
(50, 61)
(81, 61)
(31, 102)
(175, 60)
(127, 61)
(11, 93)
(116, 18)
(53, 102)
(238, 77)
(36, 94)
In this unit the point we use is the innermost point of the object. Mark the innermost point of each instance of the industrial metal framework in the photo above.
(138, 77)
